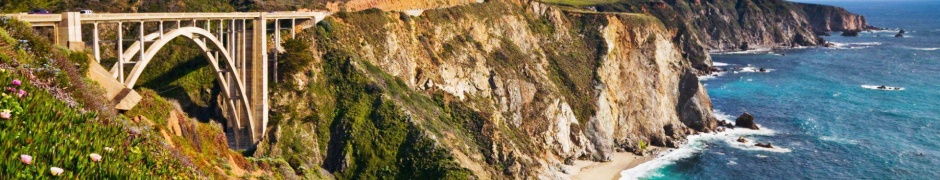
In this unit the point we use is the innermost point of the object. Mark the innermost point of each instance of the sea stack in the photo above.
(746, 120)
(851, 33)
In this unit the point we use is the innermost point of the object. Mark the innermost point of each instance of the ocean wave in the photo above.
(885, 31)
(719, 64)
(887, 88)
(697, 144)
(838, 140)
(752, 51)
(755, 69)
(712, 76)
(858, 45)
(923, 49)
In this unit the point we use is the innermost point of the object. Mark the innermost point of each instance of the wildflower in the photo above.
(17, 82)
(21, 93)
(109, 149)
(95, 157)
(5, 114)
(26, 159)
(56, 171)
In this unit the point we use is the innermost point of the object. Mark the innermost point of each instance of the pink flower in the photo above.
(21, 93)
(56, 171)
(95, 157)
(5, 114)
(17, 82)
(26, 159)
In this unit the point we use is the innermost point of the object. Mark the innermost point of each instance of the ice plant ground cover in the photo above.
(55, 135)
(51, 133)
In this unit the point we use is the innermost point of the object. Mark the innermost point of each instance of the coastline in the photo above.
(621, 161)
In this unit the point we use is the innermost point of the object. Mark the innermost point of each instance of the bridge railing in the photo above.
(36, 18)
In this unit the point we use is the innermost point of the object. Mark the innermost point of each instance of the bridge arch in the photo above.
(206, 41)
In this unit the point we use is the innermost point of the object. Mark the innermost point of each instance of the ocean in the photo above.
(822, 109)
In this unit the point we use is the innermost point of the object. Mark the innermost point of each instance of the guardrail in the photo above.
(89, 18)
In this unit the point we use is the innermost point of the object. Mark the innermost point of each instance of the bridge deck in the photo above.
(116, 17)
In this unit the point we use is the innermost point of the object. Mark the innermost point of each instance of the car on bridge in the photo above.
(39, 11)
(85, 11)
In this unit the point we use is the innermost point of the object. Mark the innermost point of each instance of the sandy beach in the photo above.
(590, 170)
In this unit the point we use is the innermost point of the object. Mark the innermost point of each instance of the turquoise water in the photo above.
(814, 108)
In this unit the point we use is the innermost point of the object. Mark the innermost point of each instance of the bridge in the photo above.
(236, 46)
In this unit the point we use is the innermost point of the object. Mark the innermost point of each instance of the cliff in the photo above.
(492, 90)
(735, 25)
(825, 19)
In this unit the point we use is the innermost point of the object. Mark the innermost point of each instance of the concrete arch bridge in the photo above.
(235, 44)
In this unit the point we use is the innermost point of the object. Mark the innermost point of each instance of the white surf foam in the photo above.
(696, 144)
(712, 76)
(838, 140)
(858, 45)
(924, 49)
(719, 64)
(752, 51)
(755, 69)
(887, 88)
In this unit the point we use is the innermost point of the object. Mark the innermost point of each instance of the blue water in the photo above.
(815, 109)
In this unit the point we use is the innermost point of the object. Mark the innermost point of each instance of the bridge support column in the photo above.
(70, 31)
(256, 68)
(97, 45)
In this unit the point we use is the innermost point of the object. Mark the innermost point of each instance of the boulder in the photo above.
(899, 35)
(746, 120)
(768, 145)
(902, 31)
(742, 140)
(850, 33)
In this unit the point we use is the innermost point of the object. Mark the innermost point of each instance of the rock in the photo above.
(745, 46)
(899, 35)
(746, 120)
(902, 31)
(670, 130)
(742, 140)
(768, 145)
(829, 44)
(569, 161)
(850, 33)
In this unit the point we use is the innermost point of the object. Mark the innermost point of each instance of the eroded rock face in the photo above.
(826, 19)
(728, 25)
(550, 86)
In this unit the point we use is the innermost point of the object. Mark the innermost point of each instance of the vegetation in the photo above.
(45, 126)
(295, 58)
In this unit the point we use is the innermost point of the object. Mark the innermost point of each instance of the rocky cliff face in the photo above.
(735, 25)
(825, 19)
(503, 89)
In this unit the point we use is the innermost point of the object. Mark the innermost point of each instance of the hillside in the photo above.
(459, 90)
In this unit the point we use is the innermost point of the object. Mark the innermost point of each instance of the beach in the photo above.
(590, 170)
